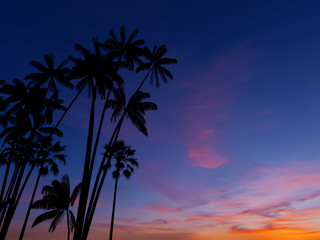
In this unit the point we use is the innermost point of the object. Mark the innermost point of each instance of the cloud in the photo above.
(205, 156)
(208, 101)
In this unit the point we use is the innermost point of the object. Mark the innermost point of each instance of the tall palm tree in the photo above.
(124, 165)
(133, 110)
(58, 200)
(97, 74)
(48, 155)
(49, 73)
(125, 52)
(28, 117)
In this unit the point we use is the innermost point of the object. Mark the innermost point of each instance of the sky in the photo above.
(233, 149)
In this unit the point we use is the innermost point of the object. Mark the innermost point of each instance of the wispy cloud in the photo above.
(208, 101)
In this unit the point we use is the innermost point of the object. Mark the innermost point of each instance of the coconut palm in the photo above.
(98, 74)
(28, 117)
(122, 49)
(154, 64)
(133, 110)
(31, 99)
(48, 155)
(50, 74)
(124, 165)
(57, 199)
(126, 53)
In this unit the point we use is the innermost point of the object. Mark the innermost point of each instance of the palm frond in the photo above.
(51, 130)
(45, 216)
(72, 220)
(46, 204)
(75, 193)
(38, 66)
(58, 218)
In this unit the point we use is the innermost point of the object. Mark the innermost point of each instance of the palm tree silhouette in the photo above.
(48, 154)
(98, 74)
(134, 110)
(58, 200)
(154, 64)
(124, 165)
(129, 50)
(50, 74)
(28, 117)
(126, 50)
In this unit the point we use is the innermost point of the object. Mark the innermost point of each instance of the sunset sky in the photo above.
(233, 150)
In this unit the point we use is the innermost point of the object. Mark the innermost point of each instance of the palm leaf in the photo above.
(44, 204)
(58, 218)
(45, 216)
(72, 220)
(133, 35)
(51, 130)
(74, 194)
(38, 65)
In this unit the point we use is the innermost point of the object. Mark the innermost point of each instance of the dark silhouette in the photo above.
(50, 74)
(27, 124)
(27, 134)
(134, 110)
(96, 73)
(57, 199)
(124, 50)
(124, 165)
(154, 64)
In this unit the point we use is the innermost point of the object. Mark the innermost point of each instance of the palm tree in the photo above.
(154, 64)
(125, 164)
(28, 117)
(58, 200)
(98, 74)
(48, 155)
(134, 110)
(127, 50)
(50, 74)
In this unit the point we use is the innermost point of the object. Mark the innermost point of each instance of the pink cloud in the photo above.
(161, 208)
(209, 101)
(269, 198)
(206, 157)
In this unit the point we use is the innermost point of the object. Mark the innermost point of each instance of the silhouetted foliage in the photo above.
(124, 165)
(28, 134)
(57, 198)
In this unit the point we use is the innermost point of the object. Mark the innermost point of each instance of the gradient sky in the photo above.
(233, 151)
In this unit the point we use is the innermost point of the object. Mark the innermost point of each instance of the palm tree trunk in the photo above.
(140, 86)
(16, 198)
(98, 135)
(101, 167)
(29, 207)
(4, 183)
(113, 208)
(68, 224)
(98, 184)
(11, 208)
(24, 185)
(65, 112)
(9, 191)
(85, 181)
(12, 181)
